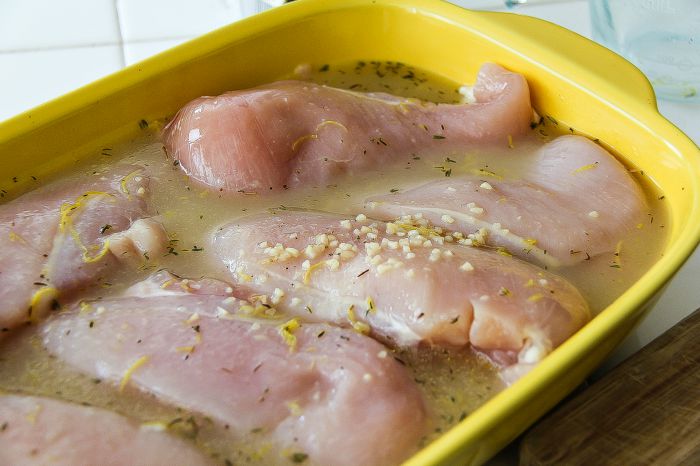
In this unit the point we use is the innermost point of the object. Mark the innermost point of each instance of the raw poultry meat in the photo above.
(293, 133)
(61, 238)
(317, 390)
(44, 431)
(405, 284)
(572, 202)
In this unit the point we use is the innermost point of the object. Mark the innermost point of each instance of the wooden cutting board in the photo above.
(645, 411)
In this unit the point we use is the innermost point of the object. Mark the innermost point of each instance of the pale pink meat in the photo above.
(44, 431)
(323, 391)
(55, 240)
(407, 290)
(293, 133)
(574, 201)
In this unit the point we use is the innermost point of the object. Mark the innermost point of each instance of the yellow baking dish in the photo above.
(581, 84)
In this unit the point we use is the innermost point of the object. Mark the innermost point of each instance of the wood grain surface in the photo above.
(645, 411)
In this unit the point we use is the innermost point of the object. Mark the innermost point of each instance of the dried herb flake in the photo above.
(298, 457)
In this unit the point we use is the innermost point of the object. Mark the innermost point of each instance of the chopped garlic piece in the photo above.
(376, 260)
(156, 426)
(277, 296)
(466, 267)
(222, 313)
(372, 249)
(312, 251)
(333, 264)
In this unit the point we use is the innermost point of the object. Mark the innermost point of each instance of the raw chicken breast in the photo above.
(56, 240)
(44, 431)
(292, 133)
(406, 289)
(573, 202)
(310, 389)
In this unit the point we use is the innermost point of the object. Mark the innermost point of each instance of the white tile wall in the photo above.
(51, 24)
(49, 47)
(137, 51)
(173, 19)
(30, 78)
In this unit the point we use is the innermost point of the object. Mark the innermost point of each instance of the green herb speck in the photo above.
(299, 457)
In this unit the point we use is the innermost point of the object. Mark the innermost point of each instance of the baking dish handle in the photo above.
(575, 54)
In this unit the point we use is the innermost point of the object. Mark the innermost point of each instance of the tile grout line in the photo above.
(121, 35)
(50, 48)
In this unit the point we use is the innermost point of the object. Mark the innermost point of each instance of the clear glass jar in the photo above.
(661, 37)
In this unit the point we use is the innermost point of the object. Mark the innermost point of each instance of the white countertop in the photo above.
(50, 47)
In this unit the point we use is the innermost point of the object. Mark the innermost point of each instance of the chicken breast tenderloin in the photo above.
(44, 431)
(292, 133)
(61, 238)
(317, 390)
(573, 202)
(407, 290)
